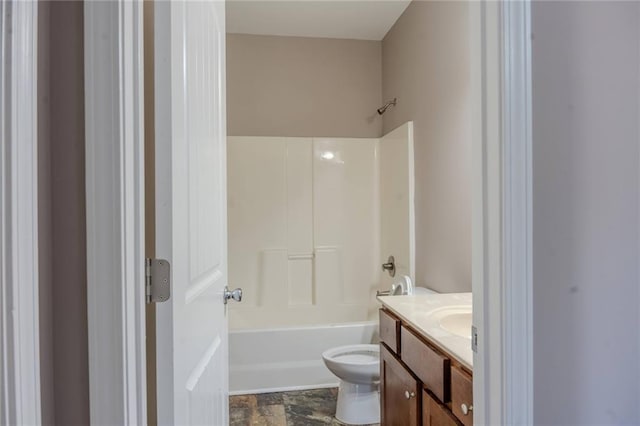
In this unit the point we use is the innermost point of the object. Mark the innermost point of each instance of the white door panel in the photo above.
(191, 212)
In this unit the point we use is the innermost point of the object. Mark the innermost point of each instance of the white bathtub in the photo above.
(289, 358)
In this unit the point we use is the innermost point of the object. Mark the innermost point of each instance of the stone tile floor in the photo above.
(298, 408)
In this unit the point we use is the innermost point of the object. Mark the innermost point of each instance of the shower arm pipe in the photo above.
(384, 108)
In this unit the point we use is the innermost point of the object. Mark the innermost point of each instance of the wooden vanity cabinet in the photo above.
(420, 384)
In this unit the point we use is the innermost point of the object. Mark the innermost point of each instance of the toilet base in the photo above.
(358, 404)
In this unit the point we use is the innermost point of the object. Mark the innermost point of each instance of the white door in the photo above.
(192, 351)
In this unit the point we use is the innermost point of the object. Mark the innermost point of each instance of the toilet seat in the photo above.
(354, 354)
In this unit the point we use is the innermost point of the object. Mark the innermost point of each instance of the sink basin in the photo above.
(458, 323)
(455, 319)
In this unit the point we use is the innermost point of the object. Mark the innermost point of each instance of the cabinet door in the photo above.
(462, 396)
(434, 414)
(399, 392)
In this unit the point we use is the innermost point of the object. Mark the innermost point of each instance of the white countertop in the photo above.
(421, 312)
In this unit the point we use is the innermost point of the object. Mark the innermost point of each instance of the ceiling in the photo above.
(350, 19)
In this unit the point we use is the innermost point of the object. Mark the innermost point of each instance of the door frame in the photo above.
(502, 210)
(19, 308)
(114, 102)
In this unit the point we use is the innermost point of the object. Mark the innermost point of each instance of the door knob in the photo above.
(409, 395)
(232, 294)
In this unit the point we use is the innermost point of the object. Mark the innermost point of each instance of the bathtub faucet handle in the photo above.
(232, 294)
(390, 266)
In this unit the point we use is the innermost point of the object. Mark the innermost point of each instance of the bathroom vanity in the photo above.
(426, 370)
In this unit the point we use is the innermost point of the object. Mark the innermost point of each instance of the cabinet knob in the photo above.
(409, 395)
(465, 409)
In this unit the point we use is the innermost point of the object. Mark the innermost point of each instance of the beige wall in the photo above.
(586, 235)
(296, 86)
(63, 287)
(425, 64)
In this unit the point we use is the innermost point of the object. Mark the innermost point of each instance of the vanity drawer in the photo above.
(462, 394)
(431, 367)
(390, 330)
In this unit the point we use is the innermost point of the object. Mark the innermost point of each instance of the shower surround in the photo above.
(303, 230)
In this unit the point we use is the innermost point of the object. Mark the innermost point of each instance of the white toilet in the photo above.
(358, 368)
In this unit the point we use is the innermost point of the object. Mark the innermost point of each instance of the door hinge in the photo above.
(474, 339)
(157, 280)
